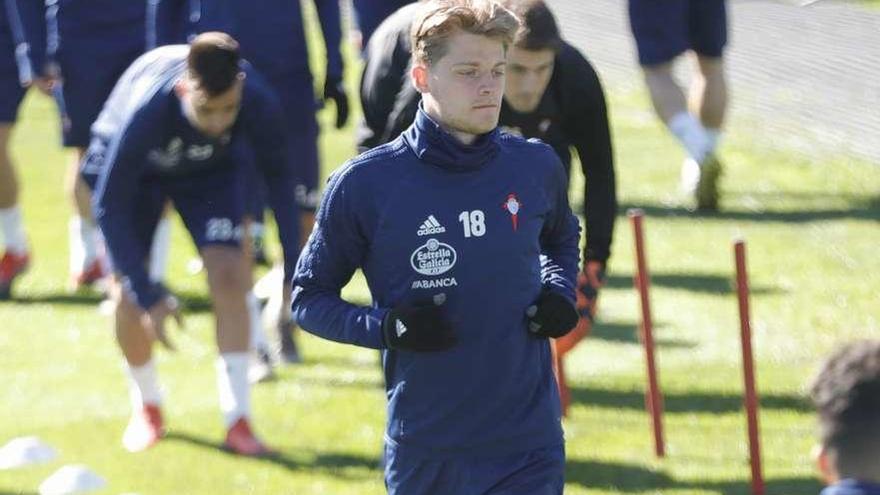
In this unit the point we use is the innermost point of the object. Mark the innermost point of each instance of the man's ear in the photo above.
(825, 464)
(419, 77)
(180, 88)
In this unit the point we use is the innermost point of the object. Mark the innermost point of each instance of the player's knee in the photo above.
(228, 276)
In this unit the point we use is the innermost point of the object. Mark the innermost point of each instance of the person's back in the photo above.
(846, 393)
(138, 85)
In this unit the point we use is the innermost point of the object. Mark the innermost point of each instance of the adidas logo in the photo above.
(431, 226)
(400, 328)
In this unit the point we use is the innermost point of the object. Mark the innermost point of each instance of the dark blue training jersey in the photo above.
(22, 39)
(368, 14)
(81, 28)
(149, 136)
(489, 226)
(271, 32)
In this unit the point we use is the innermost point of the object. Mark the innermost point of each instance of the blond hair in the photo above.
(439, 19)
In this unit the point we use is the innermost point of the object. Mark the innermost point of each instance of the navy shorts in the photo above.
(665, 29)
(86, 85)
(538, 472)
(11, 95)
(209, 204)
(297, 96)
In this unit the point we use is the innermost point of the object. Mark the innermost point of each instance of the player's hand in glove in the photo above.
(334, 90)
(589, 282)
(552, 315)
(421, 327)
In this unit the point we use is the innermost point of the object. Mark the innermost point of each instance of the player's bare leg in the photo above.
(86, 267)
(699, 171)
(16, 256)
(708, 100)
(260, 367)
(229, 281)
(145, 427)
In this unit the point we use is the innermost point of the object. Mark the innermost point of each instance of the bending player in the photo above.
(176, 127)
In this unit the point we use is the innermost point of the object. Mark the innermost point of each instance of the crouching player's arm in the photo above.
(554, 314)
(114, 206)
(336, 248)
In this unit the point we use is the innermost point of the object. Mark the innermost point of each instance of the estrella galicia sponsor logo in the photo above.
(439, 283)
(430, 226)
(198, 153)
(433, 258)
(170, 156)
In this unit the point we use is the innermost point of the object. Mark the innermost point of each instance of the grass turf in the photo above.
(810, 224)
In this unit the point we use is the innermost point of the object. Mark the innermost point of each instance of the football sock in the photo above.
(233, 386)
(691, 134)
(144, 385)
(83, 243)
(13, 230)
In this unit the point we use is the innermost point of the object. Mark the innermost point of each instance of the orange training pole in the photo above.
(653, 398)
(751, 395)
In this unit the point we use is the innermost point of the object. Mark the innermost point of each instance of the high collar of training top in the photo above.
(434, 145)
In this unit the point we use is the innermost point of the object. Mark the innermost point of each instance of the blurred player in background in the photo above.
(368, 14)
(91, 42)
(182, 124)
(664, 31)
(272, 37)
(22, 51)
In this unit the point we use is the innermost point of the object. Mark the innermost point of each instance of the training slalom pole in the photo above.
(653, 399)
(751, 398)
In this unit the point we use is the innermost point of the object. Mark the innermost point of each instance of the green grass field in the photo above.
(811, 227)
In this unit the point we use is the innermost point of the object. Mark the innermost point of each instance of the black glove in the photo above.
(334, 90)
(590, 280)
(421, 328)
(552, 315)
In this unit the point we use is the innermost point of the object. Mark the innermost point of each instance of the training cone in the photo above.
(25, 451)
(70, 480)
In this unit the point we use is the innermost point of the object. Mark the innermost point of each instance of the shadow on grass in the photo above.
(696, 282)
(333, 463)
(19, 492)
(73, 299)
(628, 478)
(627, 333)
(195, 302)
(676, 402)
(192, 302)
(863, 208)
